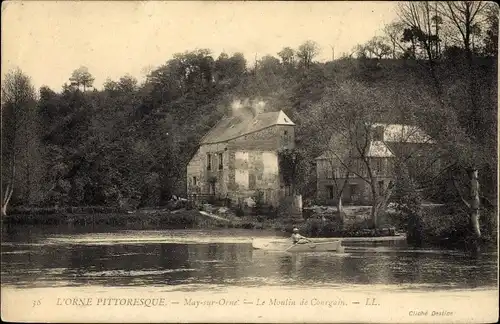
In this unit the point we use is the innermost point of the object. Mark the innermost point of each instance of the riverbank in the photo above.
(146, 218)
(209, 218)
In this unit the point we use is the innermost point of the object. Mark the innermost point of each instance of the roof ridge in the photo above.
(220, 133)
(214, 127)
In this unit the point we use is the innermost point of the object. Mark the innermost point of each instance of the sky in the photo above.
(47, 40)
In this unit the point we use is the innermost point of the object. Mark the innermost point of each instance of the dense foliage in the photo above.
(128, 144)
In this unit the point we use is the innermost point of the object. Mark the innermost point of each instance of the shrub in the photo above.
(446, 226)
(190, 205)
(211, 200)
(315, 227)
(247, 225)
(239, 211)
(489, 225)
(332, 228)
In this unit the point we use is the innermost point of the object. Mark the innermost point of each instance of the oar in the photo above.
(311, 242)
(293, 244)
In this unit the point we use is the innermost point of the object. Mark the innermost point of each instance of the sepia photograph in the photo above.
(249, 161)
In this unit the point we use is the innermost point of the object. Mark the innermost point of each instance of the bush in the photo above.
(315, 227)
(447, 226)
(332, 228)
(190, 205)
(489, 225)
(239, 211)
(266, 212)
(247, 225)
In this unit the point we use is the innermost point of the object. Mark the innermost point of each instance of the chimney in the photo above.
(241, 109)
(378, 133)
(246, 108)
(258, 107)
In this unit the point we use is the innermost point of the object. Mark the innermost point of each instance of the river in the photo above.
(196, 260)
(49, 256)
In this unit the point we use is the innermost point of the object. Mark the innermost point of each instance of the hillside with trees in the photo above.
(127, 145)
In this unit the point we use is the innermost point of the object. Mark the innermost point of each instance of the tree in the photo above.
(491, 38)
(347, 122)
(361, 51)
(127, 84)
(346, 114)
(378, 47)
(338, 162)
(287, 56)
(289, 159)
(408, 204)
(420, 18)
(228, 69)
(465, 16)
(437, 21)
(110, 85)
(394, 33)
(307, 52)
(81, 77)
(455, 134)
(192, 68)
(269, 65)
(18, 126)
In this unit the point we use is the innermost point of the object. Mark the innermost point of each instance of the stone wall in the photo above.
(198, 167)
(361, 196)
(271, 138)
(328, 176)
(250, 166)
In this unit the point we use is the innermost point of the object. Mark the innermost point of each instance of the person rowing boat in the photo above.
(299, 239)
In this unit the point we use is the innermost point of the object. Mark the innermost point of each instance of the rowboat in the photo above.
(285, 245)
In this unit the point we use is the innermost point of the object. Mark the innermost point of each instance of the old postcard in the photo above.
(242, 161)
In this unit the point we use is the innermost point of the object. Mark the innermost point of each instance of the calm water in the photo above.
(63, 256)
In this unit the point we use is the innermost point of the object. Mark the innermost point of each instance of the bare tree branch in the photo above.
(466, 203)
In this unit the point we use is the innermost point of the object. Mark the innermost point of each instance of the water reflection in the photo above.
(30, 261)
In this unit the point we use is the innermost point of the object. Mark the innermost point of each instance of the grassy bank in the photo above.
(445, 226)
(206, 216)
(178, 219)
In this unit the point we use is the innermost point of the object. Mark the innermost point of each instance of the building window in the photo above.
(241, 178)
(194, 181)
(354, 194)
(286, 138)
(380, 187)
(378, 165)
(390, 166)
(221, 163)
(357, 166)
(252, 183)
(209, 161)
(329, 171)
(378, 133)
(329, 189)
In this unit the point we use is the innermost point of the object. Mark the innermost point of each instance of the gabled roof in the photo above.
(375, 149)
(229, 128)
(394, 134)
(404, 133)
(379, 149)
